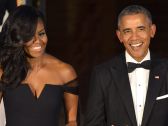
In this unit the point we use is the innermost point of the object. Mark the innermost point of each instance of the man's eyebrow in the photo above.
(141, 27)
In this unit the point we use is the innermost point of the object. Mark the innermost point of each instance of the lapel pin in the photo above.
(156, 77)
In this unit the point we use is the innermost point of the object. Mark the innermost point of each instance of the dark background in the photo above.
(82, 33)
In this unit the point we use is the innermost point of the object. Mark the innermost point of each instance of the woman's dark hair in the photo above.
(18, 29)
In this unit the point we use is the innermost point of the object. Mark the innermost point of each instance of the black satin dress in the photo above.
(24, 109)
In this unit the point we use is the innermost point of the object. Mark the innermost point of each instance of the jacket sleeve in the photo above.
(95, 113)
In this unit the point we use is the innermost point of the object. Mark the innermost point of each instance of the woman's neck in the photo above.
(36, 63)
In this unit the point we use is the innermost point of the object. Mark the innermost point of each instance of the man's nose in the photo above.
(134, 35)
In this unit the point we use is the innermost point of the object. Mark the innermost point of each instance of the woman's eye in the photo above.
(42, 33)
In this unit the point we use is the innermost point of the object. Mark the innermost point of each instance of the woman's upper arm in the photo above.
(71, 105)
(70, 94)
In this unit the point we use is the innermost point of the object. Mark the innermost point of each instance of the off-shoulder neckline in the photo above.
(67, 83)
(45, 85)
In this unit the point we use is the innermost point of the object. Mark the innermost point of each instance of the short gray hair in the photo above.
(134, 9)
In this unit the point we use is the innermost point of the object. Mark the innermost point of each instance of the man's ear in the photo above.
(118, 33)
(153, 30)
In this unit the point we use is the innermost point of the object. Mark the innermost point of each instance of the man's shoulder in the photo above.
(159, 63)
(113, 62)
(160, 60)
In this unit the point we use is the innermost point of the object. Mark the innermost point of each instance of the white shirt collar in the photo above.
(131, 59)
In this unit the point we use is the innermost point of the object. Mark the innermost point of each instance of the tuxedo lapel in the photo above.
(120, 74)
(155, 82)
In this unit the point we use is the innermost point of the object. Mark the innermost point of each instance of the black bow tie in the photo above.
(132, 66)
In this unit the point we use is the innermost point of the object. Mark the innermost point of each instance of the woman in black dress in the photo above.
(33, 83)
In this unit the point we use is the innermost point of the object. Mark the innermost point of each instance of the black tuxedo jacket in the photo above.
(110, 100)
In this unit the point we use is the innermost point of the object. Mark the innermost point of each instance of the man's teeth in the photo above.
(135, 45)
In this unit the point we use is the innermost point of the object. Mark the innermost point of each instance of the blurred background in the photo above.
(82, 33)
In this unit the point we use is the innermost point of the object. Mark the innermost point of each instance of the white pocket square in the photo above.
(162, 97)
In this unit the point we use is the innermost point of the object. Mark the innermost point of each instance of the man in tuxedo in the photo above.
(132, 88)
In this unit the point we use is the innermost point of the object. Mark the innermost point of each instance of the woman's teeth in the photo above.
(37, 47)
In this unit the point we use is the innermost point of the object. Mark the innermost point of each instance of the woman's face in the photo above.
(36, 47)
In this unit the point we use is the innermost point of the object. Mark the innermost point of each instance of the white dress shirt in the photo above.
(139, 84)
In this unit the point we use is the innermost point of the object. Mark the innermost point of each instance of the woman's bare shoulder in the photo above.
(52, 62)
(65, 71)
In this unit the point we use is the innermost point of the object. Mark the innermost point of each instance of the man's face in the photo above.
(135, 32)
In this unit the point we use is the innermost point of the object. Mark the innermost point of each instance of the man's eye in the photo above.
(126, 31)
(141, 28)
